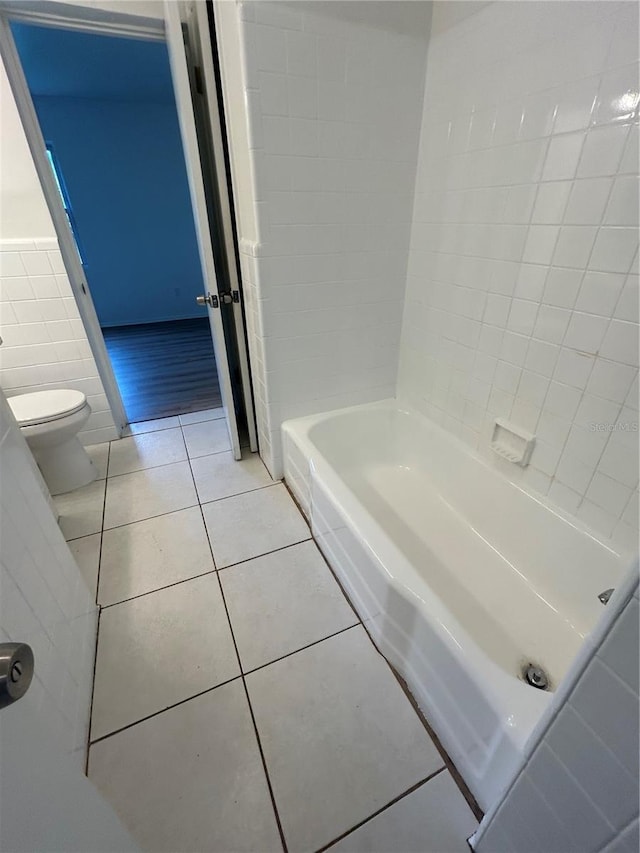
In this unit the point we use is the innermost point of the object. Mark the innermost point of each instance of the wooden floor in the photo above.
(164, 369)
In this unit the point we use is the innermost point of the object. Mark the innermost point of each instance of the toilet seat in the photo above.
(41, 407)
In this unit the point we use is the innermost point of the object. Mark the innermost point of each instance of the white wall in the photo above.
(334, 94)
(579, 789)
(45, 344)
(44, 600)
(23, 210)
(522, 287)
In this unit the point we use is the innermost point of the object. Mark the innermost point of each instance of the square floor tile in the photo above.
(86, 553)
(190, 779)
(151, 426)
(283, 601)
(146, 451)
(80, 511)
(143, 494)
(206, 437)
(253, 524)
(160, 649)
(99, 454)
(204, 415)
(221, 476)
(340, 737)
(138, 558)
(435, 817)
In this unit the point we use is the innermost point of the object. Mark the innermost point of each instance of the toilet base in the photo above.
(65, 466)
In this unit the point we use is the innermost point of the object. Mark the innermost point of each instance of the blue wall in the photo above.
(106, 106)
(124, 170)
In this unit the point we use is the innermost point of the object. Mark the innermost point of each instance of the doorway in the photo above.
(107, 112)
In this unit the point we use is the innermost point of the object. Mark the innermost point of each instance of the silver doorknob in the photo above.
(16, 672)
(205, 299)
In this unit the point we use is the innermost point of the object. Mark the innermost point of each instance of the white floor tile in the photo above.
(252, 524)
(146, 451)
(141, 557)
(339, 736)
(281, 602)
(160, 649)
(206, 437)
(220, 476)
(204, 415)
(86, 553)
(152, 426)
(81, 511)
(434, 818)
(99, 454)
(190, 779)
(143, 494)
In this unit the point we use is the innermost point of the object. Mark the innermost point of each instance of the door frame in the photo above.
(102, 22)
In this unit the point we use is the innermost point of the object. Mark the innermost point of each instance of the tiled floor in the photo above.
(239, 704)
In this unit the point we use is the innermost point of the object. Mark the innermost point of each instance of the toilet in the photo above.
(50, 422)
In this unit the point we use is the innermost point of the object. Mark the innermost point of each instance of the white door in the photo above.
(200, 45)
(47, 804)
(186, 118)
(46, 801)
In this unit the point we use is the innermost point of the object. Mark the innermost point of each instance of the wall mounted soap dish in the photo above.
(512, 443)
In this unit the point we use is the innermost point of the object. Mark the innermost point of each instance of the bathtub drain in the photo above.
(536, 676)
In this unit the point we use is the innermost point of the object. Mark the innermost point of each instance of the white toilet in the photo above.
(50, 422)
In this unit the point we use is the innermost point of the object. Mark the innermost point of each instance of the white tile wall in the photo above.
(579, 790)
(522, 289)
(44, 601)
(44, 341)
(334, 94)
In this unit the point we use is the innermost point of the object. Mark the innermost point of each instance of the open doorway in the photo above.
(107, 112)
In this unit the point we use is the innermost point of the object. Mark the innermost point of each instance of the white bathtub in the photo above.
(460, 576)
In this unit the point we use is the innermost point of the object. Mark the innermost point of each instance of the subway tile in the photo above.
(585, 332)
(586, 825)
(540, 244)
(599, 293)
(551, 324)
(623, 204)
(551, 202)
(619, 96)
(602, 151)
(627, 305)
(607, 705)
(621, 342)
(36, 263)
(587, 201)
(574, 246)
(561, 287)
(611, 380)
(614, 249)
(301, 54)
(575, 105)
(563, 156)
(12, 265)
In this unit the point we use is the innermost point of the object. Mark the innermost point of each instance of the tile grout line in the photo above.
(244, 684)
(382, 809)
(301, 649)
(95, 653)
(201, 574)
(190, 506)
(163, 710)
